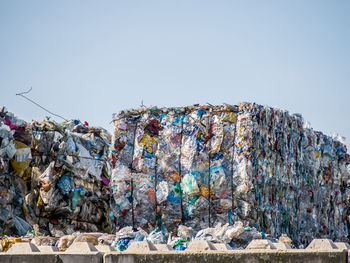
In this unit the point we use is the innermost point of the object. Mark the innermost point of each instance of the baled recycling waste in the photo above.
(225, 174)
(204, 165)
(70, 177)
(54, 177)
(15, 156)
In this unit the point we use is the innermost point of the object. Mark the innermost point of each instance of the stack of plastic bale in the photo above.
(299, 178)
(15, 158)
(70, 178)
(223, 164)
(186, 153)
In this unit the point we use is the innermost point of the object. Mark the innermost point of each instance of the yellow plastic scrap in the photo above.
(149, 149)
(205, 192)
(231, 117)
(40, 202)
(240, 132)
(18, 162)
(147, 140)
(7, 242)
(27, 174)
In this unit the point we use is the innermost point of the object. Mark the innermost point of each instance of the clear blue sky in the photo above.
(89, 59)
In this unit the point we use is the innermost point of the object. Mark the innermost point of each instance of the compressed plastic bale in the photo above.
(15, 157)
(297, 181)
(145, 169)
(122, 160)
(195, 169)
(286, 177)
(70, 178)
(221, 169)
(242, 169)
(168, 186)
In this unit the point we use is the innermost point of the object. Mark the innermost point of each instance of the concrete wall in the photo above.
(232, 257)
(51, 258)
(290, 256)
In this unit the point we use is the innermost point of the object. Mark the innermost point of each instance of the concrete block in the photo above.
(104, 248)
(48, 249)
(163, 247)
(81, 248)
(281, 246)
(342, 245)
(81, 252)
(141, 247)
(200, 245)
(23, 248)
(322, 244)
(222, 246)
(261, 244)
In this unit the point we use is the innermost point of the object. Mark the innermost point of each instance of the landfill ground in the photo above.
(227, 183)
